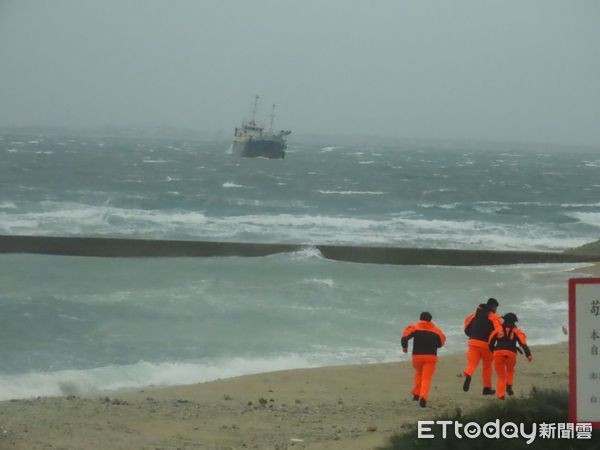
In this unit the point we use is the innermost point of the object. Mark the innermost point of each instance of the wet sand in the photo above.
(343, 407)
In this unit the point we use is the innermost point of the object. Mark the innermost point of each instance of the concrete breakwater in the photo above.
(123, 247)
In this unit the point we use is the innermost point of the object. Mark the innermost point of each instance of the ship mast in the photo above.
(272, 117)
(254, 109)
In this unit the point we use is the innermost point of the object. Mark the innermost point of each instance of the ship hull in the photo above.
(265, 148)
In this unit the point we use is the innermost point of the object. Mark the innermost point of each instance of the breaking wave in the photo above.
(139, 375)
(59, 218)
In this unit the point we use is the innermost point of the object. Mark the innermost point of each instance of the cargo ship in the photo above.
(252, 140)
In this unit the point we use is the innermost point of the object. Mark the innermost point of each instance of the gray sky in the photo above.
(508, 70)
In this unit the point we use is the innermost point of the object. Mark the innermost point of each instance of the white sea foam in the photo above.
(307, 253)
(592, 163)
(140, 375)
(441, 206)
(491, 209)
(589, 218)
(407, 229)
(580, 205)
(539, 304)
(65, 316)
(494, 202)
(231, 184)
(434, 191)
(352, 192)
(7, 205)
(323, 281)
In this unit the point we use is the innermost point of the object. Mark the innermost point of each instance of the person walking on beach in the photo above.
(505, 353)
(427, 338)
(479, 327)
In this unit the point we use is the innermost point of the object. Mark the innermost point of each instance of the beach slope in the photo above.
(343, 407)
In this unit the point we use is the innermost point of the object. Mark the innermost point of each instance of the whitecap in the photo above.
(352, 192)
(589, 218)
(307, 253)
(540, 304)
(323, 281)
(403, 229)
(7, 205)
(231, 184)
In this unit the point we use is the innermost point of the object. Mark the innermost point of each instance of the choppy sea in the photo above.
(73, 325)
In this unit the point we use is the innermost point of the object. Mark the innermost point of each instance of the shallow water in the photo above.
(74, 325)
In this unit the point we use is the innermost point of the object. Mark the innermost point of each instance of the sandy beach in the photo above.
(343, 407)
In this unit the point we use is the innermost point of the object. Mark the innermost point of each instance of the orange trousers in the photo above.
(424, 369)
(504, 362)
(476, 353)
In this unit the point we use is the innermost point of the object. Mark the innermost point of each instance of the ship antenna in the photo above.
(272, 117)
(255, 108)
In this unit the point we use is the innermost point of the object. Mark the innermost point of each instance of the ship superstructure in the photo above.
(253, 140)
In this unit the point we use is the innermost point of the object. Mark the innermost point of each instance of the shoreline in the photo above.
(71, 389)
(329, 407)
(593, 270)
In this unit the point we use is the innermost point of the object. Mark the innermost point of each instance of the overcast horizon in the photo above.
(494, 71)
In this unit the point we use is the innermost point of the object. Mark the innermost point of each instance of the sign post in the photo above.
(584, 350)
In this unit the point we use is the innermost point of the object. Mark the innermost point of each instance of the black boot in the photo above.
(467, 383)
(422, 403)
(488, 391)
(415, 397)
(509, 390)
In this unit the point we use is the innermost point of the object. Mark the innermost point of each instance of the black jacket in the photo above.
(512, 337)
(482, 323)
(427, 338)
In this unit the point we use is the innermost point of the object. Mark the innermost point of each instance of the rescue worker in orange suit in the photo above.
(505, 353)
(479, 327)
(427, 338)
